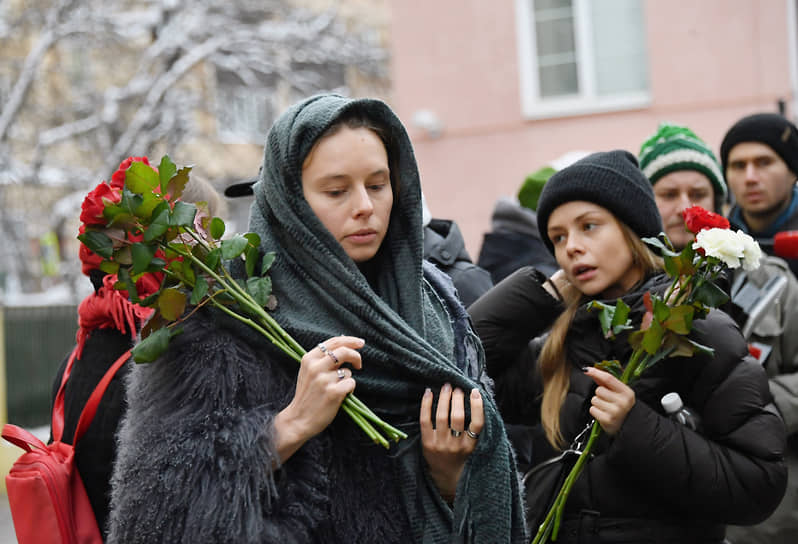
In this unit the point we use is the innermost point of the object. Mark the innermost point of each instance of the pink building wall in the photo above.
(709, 62)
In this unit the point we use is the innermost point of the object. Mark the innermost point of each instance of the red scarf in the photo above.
(109, 308)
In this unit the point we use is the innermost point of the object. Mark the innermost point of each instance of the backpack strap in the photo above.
(58, 405)
(87, 415)
(90, 409)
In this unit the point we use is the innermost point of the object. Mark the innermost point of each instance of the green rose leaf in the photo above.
(166, 169)
(147, 205)
(158, 227)
(266, 263)
(606, 313)
(140, 178)
(183, 214)
(652, 338)
(141, 255)
(150, 348)
(184, 271)
(620, 317)
(123, 256)
(251, 258)
(252, 238)
(172, 304)
(217, 228)
(661, 310)
(709, 294)
(260, 289)
(98, 242)
(663, 248)
(234, 247)
(213, 259)
(126, 283)
(613, 367)
(119, 217)
(109, 267)
(199, 291)
(680, 319)
(178, 183)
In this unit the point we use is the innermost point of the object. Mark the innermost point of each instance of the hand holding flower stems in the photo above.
(142, 230)
(668, 319)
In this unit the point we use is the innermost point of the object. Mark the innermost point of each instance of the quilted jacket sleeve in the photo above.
(509, 320)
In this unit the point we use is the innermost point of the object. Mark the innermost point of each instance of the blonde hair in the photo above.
(554, 367)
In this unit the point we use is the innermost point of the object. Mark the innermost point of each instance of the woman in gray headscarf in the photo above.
(225, 441)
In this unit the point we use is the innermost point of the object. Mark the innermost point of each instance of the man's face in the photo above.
(760, 180)
(674, 193)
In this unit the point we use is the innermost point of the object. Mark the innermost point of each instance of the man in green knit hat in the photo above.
(685, 172)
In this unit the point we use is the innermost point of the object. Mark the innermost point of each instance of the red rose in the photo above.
(118, 179)
(93, 205)
(697, 219)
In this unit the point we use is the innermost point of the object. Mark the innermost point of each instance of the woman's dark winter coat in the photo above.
(656, 480)
(197, 459)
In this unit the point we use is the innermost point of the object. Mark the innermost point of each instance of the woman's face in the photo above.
(590, 247)
(347, 182)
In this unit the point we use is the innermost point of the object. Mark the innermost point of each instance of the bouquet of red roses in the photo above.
(668, 319)
(169, 255)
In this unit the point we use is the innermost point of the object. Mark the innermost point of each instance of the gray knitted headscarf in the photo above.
(321, 293)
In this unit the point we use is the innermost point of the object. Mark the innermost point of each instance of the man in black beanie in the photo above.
(760, 160)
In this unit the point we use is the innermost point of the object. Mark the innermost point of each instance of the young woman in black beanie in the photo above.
(650, 478)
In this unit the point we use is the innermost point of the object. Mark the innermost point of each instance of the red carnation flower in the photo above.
(697, 219)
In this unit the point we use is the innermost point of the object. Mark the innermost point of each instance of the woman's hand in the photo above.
(612, 401)
(321, 387)
(557, 284)
(448, 444)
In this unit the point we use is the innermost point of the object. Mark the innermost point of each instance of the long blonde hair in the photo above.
(554, 367)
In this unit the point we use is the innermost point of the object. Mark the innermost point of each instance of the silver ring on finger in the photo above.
(341, 374)
(332, 355)
(472, 434)
(456, 433)
(322, 347)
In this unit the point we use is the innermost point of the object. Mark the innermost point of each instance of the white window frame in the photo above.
(586, 101)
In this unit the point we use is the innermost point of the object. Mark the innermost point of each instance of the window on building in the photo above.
(244, 113)
(578, 56)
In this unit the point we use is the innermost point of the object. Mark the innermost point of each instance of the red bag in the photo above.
(48, 501)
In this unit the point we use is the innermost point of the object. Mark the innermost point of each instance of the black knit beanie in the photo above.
(610, 179)
(771, 129)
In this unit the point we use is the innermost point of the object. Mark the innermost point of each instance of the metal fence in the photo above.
(37, 340)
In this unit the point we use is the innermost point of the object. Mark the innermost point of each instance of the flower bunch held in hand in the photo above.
(668, 319)
(169, 255)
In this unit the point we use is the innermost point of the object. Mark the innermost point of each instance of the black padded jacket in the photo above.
(656, 480)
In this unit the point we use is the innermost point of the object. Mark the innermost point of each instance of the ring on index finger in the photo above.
(322, 347)
(472, 434)
(456, 433)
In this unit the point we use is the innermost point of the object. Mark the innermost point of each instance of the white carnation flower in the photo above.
(722, 244)
(751, 251)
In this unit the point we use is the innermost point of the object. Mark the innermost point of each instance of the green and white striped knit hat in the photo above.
(673, 148)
